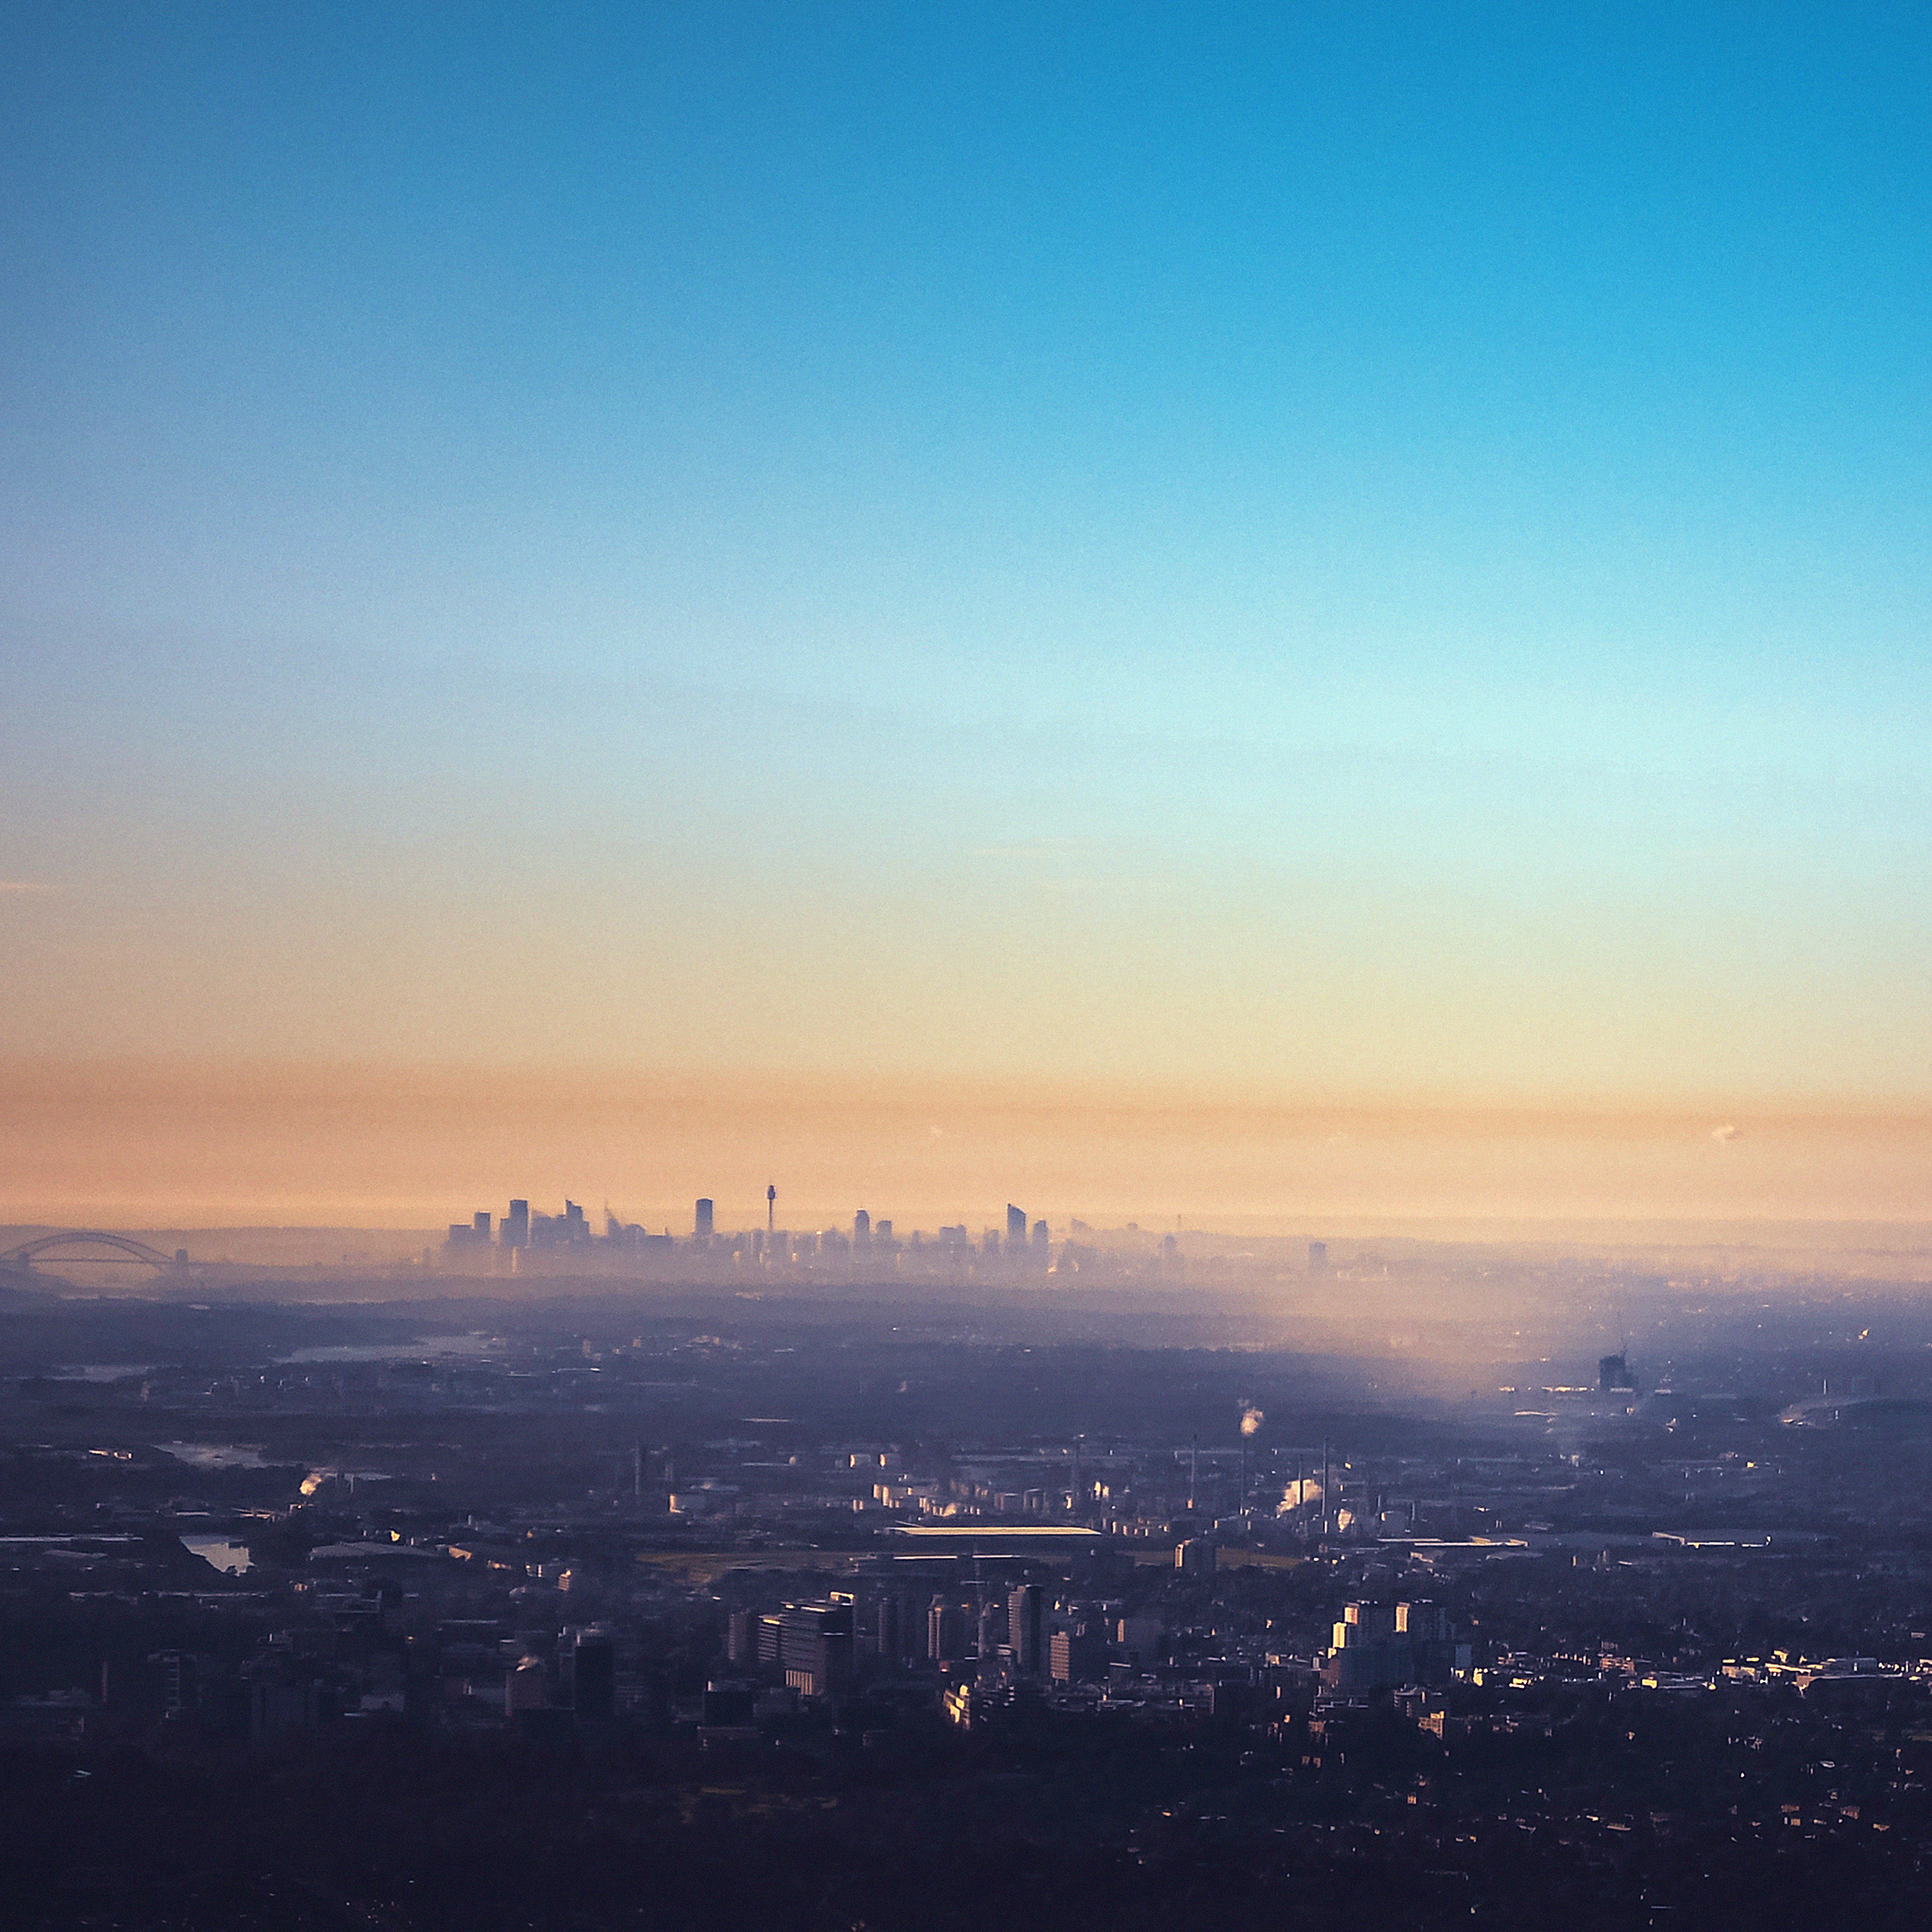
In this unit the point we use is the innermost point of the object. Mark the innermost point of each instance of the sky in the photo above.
(1292, 561)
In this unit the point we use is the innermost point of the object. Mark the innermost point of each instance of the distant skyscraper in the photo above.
(1318, 1258)
(771, 1207)
(703, 1223)
(482, 1227)
(517, 1226)
(593, 1678)
(862, 1229)
(1016, 1226)
(945, 1641)
(1025, 1631)
(815, 1649)
(895, 1630)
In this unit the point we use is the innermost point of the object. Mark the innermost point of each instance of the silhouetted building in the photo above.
(771, 1639)
(517, 1226)
(593, 1678)
(1613, 1375)
(729, 1706)
(1378, 1646)
(1076, 1654)
(1025, 1632)
(862, 1229)
(992, 1628)
(1016, 1226)
(702, 1226)
(1318, 1258)
(945, 1632)
(896, 1633)
(525, 1688)
(816, 1648)
(559, 1230)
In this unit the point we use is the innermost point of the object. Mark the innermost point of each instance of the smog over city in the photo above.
(965, 967)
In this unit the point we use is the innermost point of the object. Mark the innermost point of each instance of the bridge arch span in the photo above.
(23, 1256)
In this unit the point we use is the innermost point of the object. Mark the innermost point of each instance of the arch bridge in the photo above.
(127, 1249)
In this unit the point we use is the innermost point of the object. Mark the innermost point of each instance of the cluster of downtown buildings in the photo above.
(567, 1242)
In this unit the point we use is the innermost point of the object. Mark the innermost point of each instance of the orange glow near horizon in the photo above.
(178, 1143)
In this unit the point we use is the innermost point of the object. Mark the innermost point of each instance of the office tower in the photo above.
(1318, 1258)
(1194, 1556)
(1042, 1238)
(945, 1638)
(1016, 1226)
(862, 1229)
(892, 1630)
(741, 1639)
(703, 1223)
(517, 1226)
(593, 1677)
(992, 1627)
(771, 1638)
(1025, 1613)
(482, 1226)
(815, 1647)
(1077, 1655)
(526, 1687)
(728, 1706)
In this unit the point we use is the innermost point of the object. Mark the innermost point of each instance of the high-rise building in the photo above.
(771, 1638)
(895, 1630)
(1379, 1645)
(1016, 1226)
(593, 1677)
(1318, 1258)
(862, 1229)
(517, 1226)
(481, 1224)
(992, 1628)
(1076, 1654)
(703, 1221)
(945, 1635)
(815, 1647)
(1025, 1614)
(525, 1688)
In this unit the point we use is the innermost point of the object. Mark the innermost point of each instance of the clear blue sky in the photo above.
(1335, 548)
